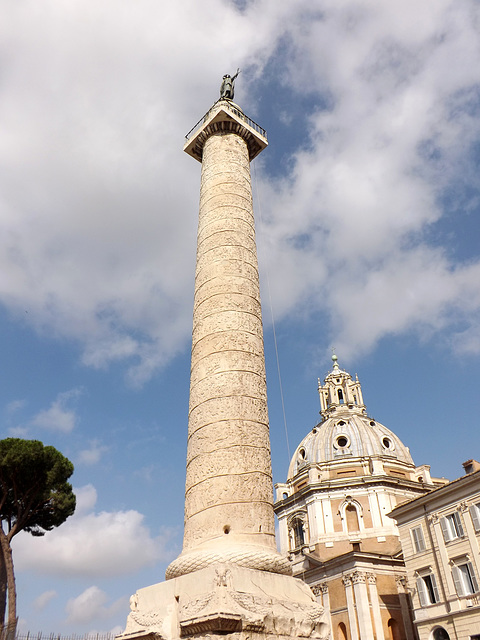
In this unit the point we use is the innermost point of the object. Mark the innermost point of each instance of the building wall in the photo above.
(440, 539)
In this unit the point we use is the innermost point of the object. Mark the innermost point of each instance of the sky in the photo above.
(367, 205)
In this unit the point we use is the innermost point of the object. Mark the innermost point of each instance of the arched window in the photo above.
(298, 533)
(342, 632)
(298, 530)
(351, 515)
(340, 396)
(439, 633)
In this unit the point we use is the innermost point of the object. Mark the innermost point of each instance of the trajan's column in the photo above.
(229, 578)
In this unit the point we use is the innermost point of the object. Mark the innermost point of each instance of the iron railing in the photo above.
(8, 634)
(251, 123)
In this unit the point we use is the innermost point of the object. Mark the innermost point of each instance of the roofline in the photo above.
(348, 483)
(353, 557)
(445, 489)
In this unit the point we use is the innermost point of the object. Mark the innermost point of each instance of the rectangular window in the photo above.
(418, 539)
(475, 514)
(452, 527)
(464, 578)
(427, 589)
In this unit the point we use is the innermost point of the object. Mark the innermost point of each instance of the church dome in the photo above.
(346, 432)
(345, 437)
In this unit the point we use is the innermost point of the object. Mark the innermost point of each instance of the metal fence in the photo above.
(233, 109)
(5, 634)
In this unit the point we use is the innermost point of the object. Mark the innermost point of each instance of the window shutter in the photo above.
(472, 577)
(458, 524)
(418, 539)
(475, 515)
(445, 529)
(457, 578)
(422, 592)
(435, 589)
(421, 539)
(415, 539)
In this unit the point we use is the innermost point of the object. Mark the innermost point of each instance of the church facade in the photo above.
(345, 477)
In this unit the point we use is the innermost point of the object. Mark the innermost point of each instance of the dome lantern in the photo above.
(339, 393)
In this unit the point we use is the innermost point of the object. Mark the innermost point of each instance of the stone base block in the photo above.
(229, 601)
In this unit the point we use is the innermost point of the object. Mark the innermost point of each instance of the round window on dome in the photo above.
(341, 423)
(387, 443)
(342, 442)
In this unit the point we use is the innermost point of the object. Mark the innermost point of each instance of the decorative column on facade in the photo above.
(375, 602)
(433, 522)
(471, 535)
(402, 588)
(352, 618)
(362, 605)
(323, 597)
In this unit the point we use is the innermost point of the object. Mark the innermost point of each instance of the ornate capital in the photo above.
(358, 577)
(433, 517)
(371, 578)
(320, 588)
(347, 580)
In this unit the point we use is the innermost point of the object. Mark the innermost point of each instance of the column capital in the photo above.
(225, 117)
(320, 588)
(358, 577)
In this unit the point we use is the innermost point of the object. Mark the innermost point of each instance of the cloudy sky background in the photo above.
(367, 202)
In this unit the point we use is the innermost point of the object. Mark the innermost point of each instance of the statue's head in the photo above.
(227, 75)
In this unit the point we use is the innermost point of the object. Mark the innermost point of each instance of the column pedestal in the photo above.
(226, 600)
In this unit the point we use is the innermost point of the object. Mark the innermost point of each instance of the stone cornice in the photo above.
(225, 117)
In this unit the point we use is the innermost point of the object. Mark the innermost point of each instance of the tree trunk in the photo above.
(12, 594)
(3, 590)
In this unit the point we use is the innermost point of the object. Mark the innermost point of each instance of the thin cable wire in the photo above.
(259, 209)
(296, 500)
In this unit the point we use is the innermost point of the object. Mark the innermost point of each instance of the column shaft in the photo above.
(229, 494)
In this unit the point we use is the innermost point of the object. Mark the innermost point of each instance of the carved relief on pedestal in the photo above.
(249, 612)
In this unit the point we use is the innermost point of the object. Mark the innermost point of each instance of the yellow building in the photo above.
(344, 479)
(440, 536)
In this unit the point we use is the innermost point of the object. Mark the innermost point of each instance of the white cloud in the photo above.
(89, 544)
(86, 499)
(14, 406)
(100, 246)
(93, 454)
(44, 599)
(59, 416)
(348, 234)
(91, 605)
